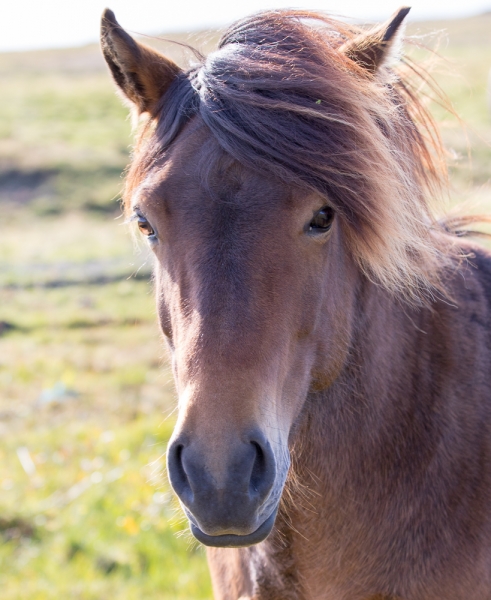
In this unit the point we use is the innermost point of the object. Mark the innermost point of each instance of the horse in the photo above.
(330, 338)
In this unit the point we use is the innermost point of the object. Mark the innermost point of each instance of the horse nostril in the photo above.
(177, 473)
(263, 470)
(242, 476)
(258, 467)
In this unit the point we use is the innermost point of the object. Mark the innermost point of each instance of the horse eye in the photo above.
(145, 227)
(322, 220)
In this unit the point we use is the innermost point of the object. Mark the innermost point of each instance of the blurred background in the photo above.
(86, 394)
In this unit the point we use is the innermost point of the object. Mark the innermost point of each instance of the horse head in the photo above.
(244, 198)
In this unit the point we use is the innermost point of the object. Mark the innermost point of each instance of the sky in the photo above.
(32, 24)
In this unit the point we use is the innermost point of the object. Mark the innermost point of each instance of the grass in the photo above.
(87, 399)
(461, 69)
(93, 519)
(77, 137)
(65, 136)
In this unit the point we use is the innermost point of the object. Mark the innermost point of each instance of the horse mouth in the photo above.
(230, 540)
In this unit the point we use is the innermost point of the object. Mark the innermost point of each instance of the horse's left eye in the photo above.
(145, 227)
(322, 220)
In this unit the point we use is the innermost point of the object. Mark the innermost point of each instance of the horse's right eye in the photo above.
(145, 227)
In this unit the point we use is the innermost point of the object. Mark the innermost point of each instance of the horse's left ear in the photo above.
(141, 73)
(372, 49)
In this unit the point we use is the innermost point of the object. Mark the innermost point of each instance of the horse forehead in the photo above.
(184, 163)
(196, 169)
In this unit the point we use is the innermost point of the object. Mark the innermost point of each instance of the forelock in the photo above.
(280, 97)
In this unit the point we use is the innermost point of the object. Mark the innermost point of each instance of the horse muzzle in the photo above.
(230, 497)
(231, 540)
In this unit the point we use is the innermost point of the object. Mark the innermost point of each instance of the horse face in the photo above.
(245, 266)
(255, 287)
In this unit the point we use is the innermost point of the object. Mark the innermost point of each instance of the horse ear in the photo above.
(141, 73)
(372, 49)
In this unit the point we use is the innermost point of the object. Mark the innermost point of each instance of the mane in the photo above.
(280, 97)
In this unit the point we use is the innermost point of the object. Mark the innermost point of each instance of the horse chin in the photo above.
(230, 540)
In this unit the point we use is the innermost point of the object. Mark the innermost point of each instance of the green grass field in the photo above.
(86, 393)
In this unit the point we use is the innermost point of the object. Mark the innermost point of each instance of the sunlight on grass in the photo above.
(93, 516)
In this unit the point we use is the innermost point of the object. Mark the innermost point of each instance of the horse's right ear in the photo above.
(141, 73)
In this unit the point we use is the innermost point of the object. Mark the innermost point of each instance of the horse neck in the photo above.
(386, 379)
